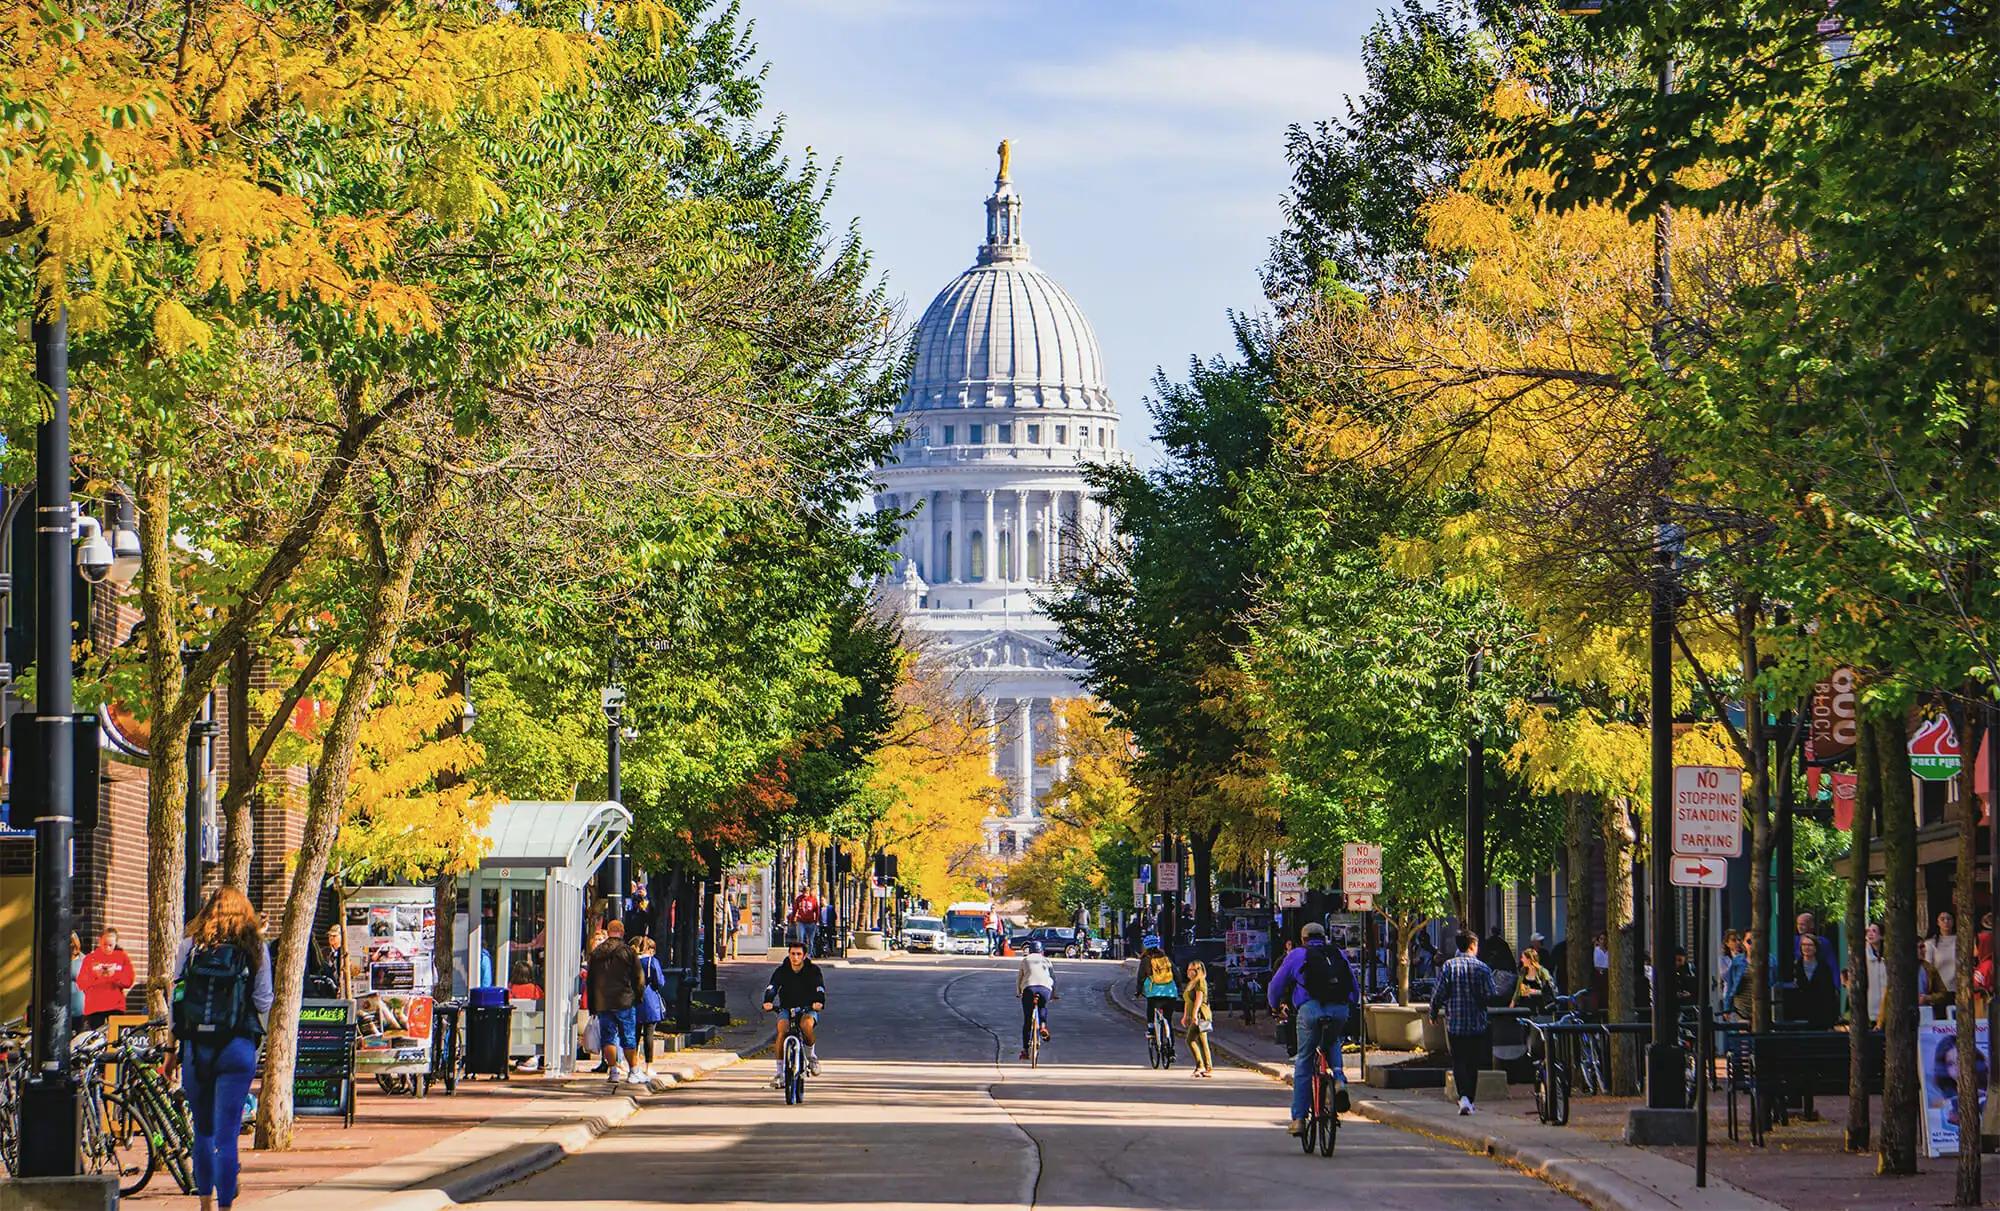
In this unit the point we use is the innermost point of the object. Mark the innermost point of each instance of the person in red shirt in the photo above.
(805, 919)
(104, 977)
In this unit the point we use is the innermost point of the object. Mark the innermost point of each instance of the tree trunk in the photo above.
(1963, 896)
(239, 799)
(1901, 1092)
(166, 784)
(1867, 792)
(1201, 844)
(328, 795)
(444, 944)
(1624, 1060)
(1576, 905)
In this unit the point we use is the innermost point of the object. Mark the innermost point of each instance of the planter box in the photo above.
(1402, 1028)
(870, 939)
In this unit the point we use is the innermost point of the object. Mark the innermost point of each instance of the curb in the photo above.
(509, 1163)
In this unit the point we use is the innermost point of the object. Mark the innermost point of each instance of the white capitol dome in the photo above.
(1004, 409)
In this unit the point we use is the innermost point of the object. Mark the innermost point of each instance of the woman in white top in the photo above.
(1942, 949)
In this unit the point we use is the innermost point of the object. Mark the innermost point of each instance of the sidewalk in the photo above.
(422, 1154)
(1801, 1168)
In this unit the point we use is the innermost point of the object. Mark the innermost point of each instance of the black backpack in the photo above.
(213, 1000)
(1328, 978)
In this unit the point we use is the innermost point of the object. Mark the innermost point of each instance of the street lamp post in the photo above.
(1475, 815)
(51, 1102)
(612, 877)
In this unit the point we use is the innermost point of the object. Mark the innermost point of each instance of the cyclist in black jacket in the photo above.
(797, 984)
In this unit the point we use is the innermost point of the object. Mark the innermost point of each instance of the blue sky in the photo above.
(1148, 145)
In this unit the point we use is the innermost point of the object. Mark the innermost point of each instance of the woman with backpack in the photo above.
(222, 992)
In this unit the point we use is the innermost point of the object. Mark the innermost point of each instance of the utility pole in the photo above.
(1475, 814)
(51, 1101)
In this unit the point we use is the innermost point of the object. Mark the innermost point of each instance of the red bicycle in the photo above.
(1322, 1122)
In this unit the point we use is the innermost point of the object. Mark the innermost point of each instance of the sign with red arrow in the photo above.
(1693, 871)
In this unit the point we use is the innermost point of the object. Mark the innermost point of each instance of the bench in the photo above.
(1772, 1069)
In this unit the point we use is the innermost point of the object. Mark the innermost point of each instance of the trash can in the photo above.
(674, 996)
(487, 1030)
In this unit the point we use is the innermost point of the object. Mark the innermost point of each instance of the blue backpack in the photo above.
(212, 1002)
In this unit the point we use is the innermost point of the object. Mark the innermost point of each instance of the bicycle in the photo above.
(1160, 1041)
(795, 1060)
(1322, 1123)
(1035, 1034)
(145, 1104)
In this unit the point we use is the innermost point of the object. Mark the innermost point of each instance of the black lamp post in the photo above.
(51, 1101)
(1475, 814)
(612, 877)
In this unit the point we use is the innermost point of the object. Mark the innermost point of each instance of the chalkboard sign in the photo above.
(323, 1077)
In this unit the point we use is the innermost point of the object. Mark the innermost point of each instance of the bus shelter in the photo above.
(524, 915)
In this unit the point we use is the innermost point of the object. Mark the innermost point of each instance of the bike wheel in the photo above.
(1329, 1122)
(126, 1143)
(1309, 1132)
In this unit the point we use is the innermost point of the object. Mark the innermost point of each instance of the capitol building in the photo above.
(1005, 407)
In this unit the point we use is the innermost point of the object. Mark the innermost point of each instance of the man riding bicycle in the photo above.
(1035, 984)
(796, 988)
(1316, 985)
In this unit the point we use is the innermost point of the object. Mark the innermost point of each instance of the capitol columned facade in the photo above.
(1005, 407)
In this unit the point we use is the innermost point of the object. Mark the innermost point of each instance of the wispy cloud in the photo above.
(1242, 78)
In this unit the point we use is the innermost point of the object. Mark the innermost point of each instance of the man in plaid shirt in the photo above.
(1464, 990)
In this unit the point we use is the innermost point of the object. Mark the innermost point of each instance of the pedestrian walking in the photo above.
(1464, 990)
(1536, 987)
(224, 973)
(1813, 998)
(612, 990)
(326, 966)
(105, 976)
(652, 1007)
(1197, 1018)
(1315, 984)
(805, 918)
(75, 978)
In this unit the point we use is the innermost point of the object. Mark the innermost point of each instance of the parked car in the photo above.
(1055, 940)
(923, 934)
(1095, 947)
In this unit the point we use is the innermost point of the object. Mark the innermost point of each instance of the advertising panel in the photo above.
(394, 929)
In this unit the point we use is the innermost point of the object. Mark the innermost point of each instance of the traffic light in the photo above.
(885, 868)
(24, 776)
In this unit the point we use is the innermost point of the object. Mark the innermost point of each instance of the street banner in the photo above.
(1360, 869)
(1845, 787)
(1170, 876)
(1934, 751)
(1708, 810)
(1835, 723)
(1690, 870)
(395, 930)
(1246, 944)
(1937, 1058)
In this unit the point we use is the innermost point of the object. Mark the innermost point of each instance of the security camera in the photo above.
(93, 555)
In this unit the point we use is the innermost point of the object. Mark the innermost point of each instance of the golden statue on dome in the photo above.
(1006, 162)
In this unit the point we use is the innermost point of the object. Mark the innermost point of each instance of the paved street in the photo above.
(922, 1103)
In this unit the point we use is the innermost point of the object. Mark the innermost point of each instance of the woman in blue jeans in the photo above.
(216, 1068)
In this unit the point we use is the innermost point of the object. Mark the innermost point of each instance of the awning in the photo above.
(567, 839)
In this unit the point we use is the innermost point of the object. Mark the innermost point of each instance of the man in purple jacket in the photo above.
(1317, 985)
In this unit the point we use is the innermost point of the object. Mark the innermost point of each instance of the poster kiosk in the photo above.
(525, 912)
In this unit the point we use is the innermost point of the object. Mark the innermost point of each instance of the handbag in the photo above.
(593, 1035)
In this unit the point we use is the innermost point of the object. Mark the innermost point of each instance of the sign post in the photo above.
(1360, 870)
(1708, 811)
(1291, 881)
